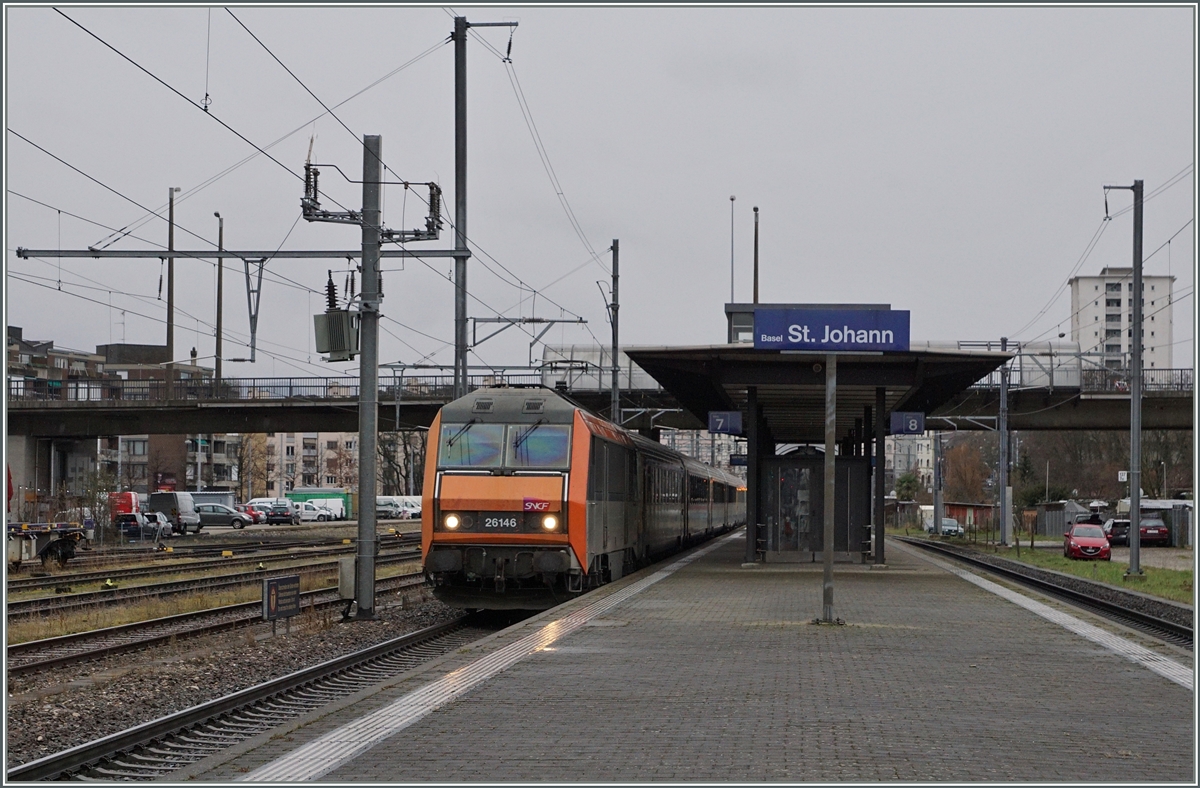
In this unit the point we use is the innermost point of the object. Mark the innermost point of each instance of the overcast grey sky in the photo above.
(948, 161)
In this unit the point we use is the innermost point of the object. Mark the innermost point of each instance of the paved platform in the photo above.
(700, 671)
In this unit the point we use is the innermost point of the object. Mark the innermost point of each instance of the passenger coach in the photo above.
(530, 500)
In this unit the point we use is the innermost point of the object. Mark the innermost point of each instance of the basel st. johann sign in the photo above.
(831, 330)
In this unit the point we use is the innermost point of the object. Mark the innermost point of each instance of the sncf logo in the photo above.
(536, 505)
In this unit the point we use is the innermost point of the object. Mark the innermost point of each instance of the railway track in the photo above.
(1111, 603)
(36, 655)
(158, 748)
(90, 556)
(57, 605)
(69, 578)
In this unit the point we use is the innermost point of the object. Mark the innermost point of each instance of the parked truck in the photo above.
(336, 500)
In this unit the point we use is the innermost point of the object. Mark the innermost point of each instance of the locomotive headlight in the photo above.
(550, 522)
(452, 521)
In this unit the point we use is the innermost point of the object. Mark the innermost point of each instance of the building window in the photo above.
(270, 467)
(331, 445)
(349, 444)
(271, 449)
(60, 363)
(331, 480)
(290, 468)
(270, 486)
(1112, 302)
(289, 451)
(1112, 348)
(270, 435)
(1112, 287)
(137, 448)
(1112, 332)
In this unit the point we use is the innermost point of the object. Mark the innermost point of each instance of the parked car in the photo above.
(282, 513)
(1086, 540)
(220, 514)
(180, 509)
(135, 525)
(1116, 531)
(310, 512)
(388, 510)
(950, 527)
(255, 514)
(1153, 532)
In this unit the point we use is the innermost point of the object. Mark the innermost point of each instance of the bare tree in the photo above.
(342, 464)
(402, 461)
(965, 473)
(250, 460)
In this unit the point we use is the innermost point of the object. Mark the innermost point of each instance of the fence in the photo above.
(391, 388)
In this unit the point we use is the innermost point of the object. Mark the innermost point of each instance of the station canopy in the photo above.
(791, 384)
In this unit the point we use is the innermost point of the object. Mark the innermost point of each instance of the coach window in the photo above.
(471, 445)
(539, 446)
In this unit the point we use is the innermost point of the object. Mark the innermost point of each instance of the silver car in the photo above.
(220, 514)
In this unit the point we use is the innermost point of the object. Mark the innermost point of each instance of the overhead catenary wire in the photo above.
(1174, 179)
(174, 90)
(259, 150)
(1123, 277)
(520, 284)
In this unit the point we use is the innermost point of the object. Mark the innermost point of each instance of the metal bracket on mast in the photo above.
(509, 322)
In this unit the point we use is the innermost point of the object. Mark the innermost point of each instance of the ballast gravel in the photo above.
(65, 707)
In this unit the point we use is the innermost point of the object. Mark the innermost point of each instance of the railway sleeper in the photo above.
(151, 761)
(181, 755)
(113, 774)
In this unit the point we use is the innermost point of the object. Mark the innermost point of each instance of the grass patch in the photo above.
(1173, 584)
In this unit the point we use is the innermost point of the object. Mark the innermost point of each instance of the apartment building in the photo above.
(1102, 317)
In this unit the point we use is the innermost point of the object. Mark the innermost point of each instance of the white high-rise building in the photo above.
(1102, 317)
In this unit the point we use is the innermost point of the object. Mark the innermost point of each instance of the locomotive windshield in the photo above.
(539, 446)
(471, 445)
(523, 446)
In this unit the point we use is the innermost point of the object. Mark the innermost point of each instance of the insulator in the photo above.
(331, 293)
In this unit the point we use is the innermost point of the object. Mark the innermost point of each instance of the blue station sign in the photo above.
(830, 330)
(728, 422)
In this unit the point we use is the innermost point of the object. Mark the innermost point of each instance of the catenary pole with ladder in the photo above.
(220, 293)
(460, 206)
(1002, 425)
(368, 377)
(615, 410)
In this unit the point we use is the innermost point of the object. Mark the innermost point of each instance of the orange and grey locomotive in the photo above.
(531, 500)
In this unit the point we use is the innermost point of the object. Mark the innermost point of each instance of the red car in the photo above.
(1155, 532)
(1086, 540)
(256, 514)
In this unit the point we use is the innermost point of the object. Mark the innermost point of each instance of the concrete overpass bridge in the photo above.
(1089, 399)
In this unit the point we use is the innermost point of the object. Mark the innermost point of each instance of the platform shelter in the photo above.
(822, 380)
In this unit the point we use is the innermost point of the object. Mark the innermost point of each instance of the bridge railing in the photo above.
(1094, 381)
(391, 388)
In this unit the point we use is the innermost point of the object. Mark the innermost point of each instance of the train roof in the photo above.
(512, 405)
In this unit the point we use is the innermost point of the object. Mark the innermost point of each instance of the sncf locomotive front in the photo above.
(503, 517)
